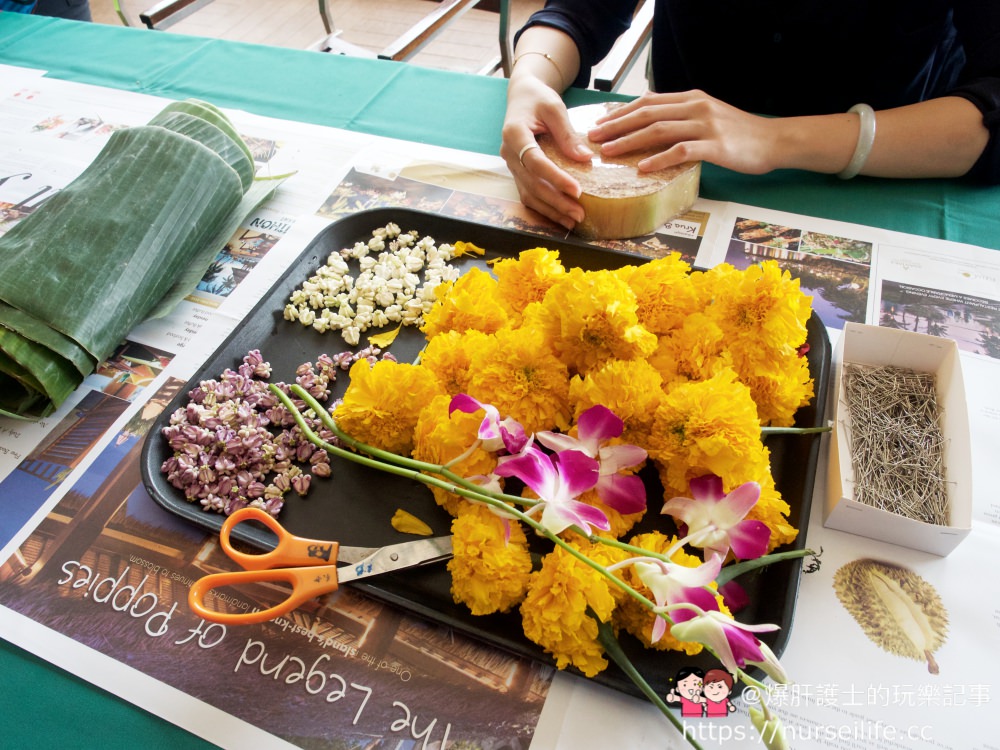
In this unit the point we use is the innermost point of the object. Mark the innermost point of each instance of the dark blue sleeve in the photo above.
(978, 26)
(594, 25)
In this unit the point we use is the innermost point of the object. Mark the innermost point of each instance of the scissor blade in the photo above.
(398, 557)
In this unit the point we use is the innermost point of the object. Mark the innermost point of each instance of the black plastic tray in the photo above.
(355, 506)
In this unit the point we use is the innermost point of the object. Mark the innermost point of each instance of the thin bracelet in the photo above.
(866, 137)
(547, 56)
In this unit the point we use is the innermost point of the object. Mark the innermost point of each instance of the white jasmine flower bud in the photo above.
(352, 335)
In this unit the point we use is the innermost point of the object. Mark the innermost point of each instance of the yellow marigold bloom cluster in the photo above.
(665, 292)
(692, 363)
(773, 510)
(554, 613)
(708, 427)
(763, 315)
(526, 279)
(516, 371)
(632, 389)
(449, 357)
(471, 302)
(592, 316)
(695, 350)
(372, 410)
(489, 573)
(439, 438)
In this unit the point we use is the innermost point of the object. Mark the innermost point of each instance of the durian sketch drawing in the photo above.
(897, 609)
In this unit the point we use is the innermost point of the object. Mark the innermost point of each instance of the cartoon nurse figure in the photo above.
(687, 691)
(717, 688)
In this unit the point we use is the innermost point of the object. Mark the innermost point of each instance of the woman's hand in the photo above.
(533, 108)
(689, 126)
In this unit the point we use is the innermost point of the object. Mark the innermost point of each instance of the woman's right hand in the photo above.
(534, 108)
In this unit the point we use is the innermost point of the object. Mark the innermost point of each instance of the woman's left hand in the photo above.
(689, 126)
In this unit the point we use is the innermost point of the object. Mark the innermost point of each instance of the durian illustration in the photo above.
(897, 609)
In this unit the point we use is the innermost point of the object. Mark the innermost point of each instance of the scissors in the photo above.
(308, 565)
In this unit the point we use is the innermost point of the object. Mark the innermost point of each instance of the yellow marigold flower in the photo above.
(470, 302)
(630, 388)
(554, 613)
(449, 357)
(591, 317)
(761, 308)
(773, 510)
(694, 351)
(526, 279)
(707, 427)
(636, 618)
(664, 291)
(439, 438)
(516, 371)
(373, 410)
(489, 573)
(779, 385)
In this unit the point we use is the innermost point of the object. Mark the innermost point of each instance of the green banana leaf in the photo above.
(132, 234)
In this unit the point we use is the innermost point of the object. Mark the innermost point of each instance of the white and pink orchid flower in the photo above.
(733, 643)
(716, 521)
(496, 434)
(674, 584)
(626, 493)
(558, 480)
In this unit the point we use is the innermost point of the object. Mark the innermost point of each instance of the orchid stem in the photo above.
(407, 467)
(730, 572)
(765, 431)
(613, 649)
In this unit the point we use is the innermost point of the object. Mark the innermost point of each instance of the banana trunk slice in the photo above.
(618, 199)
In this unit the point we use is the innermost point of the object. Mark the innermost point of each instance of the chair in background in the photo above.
(629, 49)
(166, 13)
(447, 12)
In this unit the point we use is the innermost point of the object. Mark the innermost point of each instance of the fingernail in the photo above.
(583, 151)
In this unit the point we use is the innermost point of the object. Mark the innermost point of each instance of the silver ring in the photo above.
(523, 151)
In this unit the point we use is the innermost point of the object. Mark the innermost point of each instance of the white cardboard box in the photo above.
(873, 345)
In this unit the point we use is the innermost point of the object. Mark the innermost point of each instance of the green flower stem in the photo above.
(751, 681)
(395, 464)
(421, 466)
(765, 431)
(383, 457)
(606, 635)
(421, 471)
(730, 572)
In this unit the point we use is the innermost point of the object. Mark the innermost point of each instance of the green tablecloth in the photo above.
(42, 706)
(448, 109)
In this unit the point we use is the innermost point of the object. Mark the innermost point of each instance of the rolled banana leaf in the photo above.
(98, 257)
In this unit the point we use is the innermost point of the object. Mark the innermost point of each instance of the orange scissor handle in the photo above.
(290, 551)
(306, 583)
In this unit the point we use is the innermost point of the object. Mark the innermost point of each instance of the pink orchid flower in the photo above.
(496, 434)
(558, 480)
(673, 584)
(625, 493)
(733, 643)
(716, 521)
